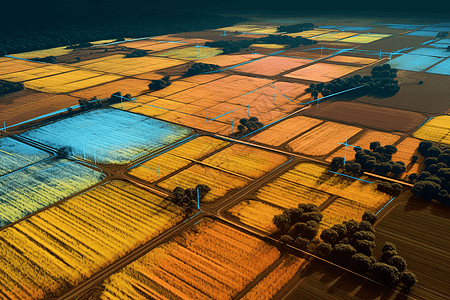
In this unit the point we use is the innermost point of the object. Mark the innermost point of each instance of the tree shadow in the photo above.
(413, 203)
(440, 210)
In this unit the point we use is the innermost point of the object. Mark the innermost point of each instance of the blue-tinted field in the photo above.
(109, 136)
(430, 52)
(413, 62)
(441, 68)
(423, 33)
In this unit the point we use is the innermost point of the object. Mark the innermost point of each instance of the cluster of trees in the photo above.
(48, 59)
(188, 197)
(80, 45)
(299, 226)
(236, 46)
(159, 83)
(249, 124)
(351, 245)
(198, 68)
(381, 82)
(434, 181)
(295, 28)
(7, 87)
(136, 53)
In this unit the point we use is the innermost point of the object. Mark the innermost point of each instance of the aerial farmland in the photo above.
(266, 159)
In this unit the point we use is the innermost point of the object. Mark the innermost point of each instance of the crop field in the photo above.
(289, 194)
(256, 214)
(310, 33)
(126, 86)
(117, 64)
(191, 53)
(272, 283)
(226, 60)
(318, 177)
(269, 46)
(441, 68)
(177, 158)
(271, 66)
(108, 135)
(368, 116)
(160, 46)
(85, 234)
(414, 62)
(333, 36)
(419, 230)
(193, 121)
(175, 87)
(365, 38)
(405, 150)
(352, 59)
(7, 67)
(240, 28)
(285, 130)
(209, 261)
(204, 78)
(15, 155)
(70, 81)
(219, 181)
(436, 130)
(423, 33)
(140, 44)
(430, 52)
(364, 142)
(30, 189)
(245, 160)
(27, 73)
(44, 53)
(322, 139)
(322, 72)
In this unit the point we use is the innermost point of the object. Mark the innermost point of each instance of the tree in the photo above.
(397, 169)
(374, 145)
(341, 230)
(329, 236)
(324, 250)
(308, 207)
(390, 149)
(408, 279)
(336, 164)
(448, 48)
(388, 254)
(360, 263)
(433, 151)
(364, 235)
(315, 94)
(414, 158)
(287, 239)
(397, 187)
(384, 273)
(316, 216)
(241, 128)
(412, 176)
(364, 246)
(430, 161)
(370, 217)
(282, 222)
(137, 53)
(366, 226)
(301, 243)
(352, 227)
(388, 246)
(342, 253)
(426, 190)
(203, 190)
(295, 215)
(423, 147)
(398, 262)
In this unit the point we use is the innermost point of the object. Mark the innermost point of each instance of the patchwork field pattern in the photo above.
(310, 33)
(85, 234)
(322, 139)
(226, 60)
(15, 155)
(11, 65)
(35, 187)
(352, 59)
(333, 36)
(209, 261)
(130, 86)
(271, 66)
(322, 72)
(134, 135)
(256, 214)
(25, 72)
(44, 53)
(365, 38)
(414, 62)
(441, 68)
(436, 130)
(191, 53)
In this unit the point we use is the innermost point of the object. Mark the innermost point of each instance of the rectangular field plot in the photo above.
(364, 142)
(323, 139)
(228, 60)
(35, 187)
(160, 46)
(333, 36)
(322, 72)
(256, 214)
(318, 177)
(44, 53)
(405, 150)
(170, 161)
(355, 28)
(220, 182)
(12, 65)
(423, 33)
(430, 52)
(204, 78)
(352, 59)
(310, 33)
(129, 66)
(240, 28)
(25, 72)
(191, 53)
(175, 87)
(414, 62)
(140, 44)
(245, 160)
(285, 130)
(15, 155)
(60, 247)
(269, 46)
(130, 86)
(209, 261)
(271, 66)
(442, 68)
(108, 135)
(365, 38)
(436, 130)
(342, 209)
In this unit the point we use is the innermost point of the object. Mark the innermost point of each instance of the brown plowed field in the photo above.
(394, 43)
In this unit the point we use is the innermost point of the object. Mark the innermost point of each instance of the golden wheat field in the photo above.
(66, 244)
(256, 214)
(35, 72)
(405, 150)
(209, 261)
(436, 130)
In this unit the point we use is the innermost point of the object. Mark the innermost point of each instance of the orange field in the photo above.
(310, 33)
(352, 59)
(364, 142)
(405, 150)
(203, 78)
(175, 87)
(134, 87)
(344, 210)
(256, 214)
(209, 261)
(11, 65)
(226, 60)
(285, 130)
(22, 72)
(322, 139)
(184, 119)
(333, 36)
(271, 66)
(322, 72)
(139, 44)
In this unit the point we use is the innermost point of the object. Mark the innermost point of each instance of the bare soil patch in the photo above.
(394, 43)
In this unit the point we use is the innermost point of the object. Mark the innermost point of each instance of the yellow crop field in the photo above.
(343, 210)
(246, 160)
(240, 28)
(160, 46)
(226, 60)
(310, 33)
(12, 65)
(139, 44)
(352, 59)
(44, 53)
(322, 139)
(318, 177)
(166, 104)
(272, 65)
(175, 87)
(365, 38)
(130, 86)
(43, 70)
(176, 158)
(220, 182)
(322, 72)
(289, 194)
(285, 130)
(268, 287)
(129, 66)
(142, 109)
(269, 46)
(191, 53)
(436, 130)
(209, 261)
(101, 42)
(405, 150)
(333, 36)
(84, 234)
(256, 214)
(364, 142)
